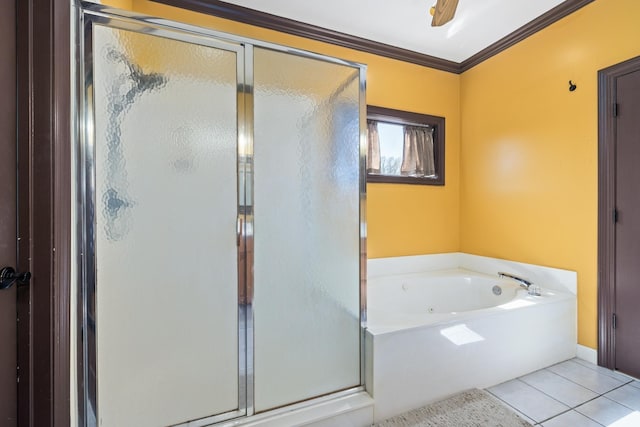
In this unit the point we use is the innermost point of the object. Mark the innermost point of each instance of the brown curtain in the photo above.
(373, 147)
(417, 157)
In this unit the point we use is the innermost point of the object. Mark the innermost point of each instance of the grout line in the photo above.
(581, 385)
(557, 415)
(615, 401)
(540, 391)
(608, 372)
(588, 417)
(595, 369)
(620, 386)
(584, 386)
(548, 395)
(512, 407)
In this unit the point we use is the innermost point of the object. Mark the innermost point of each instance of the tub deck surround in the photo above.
(416, 357)
(552, 278)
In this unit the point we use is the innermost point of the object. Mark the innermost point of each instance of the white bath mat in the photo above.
(471, 408)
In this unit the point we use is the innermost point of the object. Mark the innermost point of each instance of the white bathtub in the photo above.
(433, 334)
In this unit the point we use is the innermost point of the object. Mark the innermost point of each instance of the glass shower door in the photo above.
(306, 195)
(220, 224)
(161, 215)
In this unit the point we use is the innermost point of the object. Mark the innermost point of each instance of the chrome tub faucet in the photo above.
(533, 290)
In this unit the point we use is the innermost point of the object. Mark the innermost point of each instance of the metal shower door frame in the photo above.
(87, 15)
(87, 366)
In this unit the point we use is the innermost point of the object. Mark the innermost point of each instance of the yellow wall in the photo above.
(399, 216)
(121, 4)
(529, 146)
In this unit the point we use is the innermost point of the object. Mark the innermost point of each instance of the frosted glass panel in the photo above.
(306, 205)
(166, 255)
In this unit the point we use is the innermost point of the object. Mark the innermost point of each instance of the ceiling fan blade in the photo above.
(445, 11)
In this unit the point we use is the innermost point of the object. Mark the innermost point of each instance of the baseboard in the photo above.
(587, 353)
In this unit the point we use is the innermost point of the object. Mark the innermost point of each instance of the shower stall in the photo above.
(220, 223)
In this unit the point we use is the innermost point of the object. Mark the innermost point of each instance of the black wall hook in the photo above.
(572, 86)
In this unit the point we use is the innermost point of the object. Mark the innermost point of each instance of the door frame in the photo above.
(44, 215)
(8, 215)
(607, 79)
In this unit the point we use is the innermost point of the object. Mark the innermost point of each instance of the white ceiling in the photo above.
(407, 23)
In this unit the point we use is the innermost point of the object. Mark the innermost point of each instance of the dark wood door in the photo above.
(8, 374)
(627, 249)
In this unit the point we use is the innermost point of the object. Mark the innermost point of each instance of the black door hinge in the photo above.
(615, 109)
(615, 215)
(614, 321)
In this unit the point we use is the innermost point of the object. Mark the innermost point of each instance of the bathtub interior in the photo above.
(446, 291)
(420, 299)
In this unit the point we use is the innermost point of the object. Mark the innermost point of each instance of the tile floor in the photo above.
(574, 393)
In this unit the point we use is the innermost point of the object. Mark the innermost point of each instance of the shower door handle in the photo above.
(8, 276)
(239, 223)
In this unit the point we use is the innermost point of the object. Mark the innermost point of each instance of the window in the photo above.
(404, 147)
